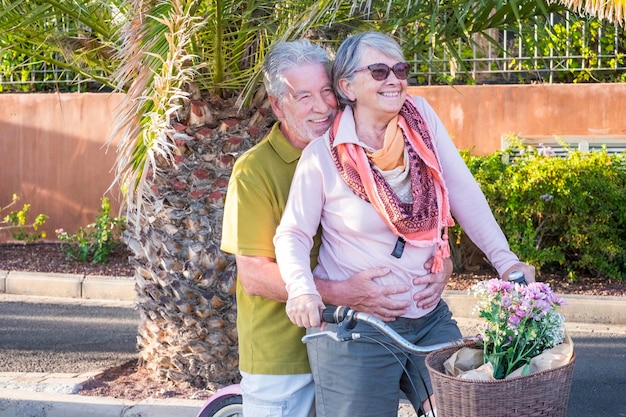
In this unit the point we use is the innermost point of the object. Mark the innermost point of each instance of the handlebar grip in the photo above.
(518, 278)
(334, 314)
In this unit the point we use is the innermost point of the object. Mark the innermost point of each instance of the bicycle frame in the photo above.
(226, 402)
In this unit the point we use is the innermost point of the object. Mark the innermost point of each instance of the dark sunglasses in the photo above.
(381, 71)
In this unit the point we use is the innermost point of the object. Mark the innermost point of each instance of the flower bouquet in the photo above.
(522, 364)
(520, 322)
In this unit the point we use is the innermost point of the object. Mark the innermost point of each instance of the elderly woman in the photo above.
(384, 182)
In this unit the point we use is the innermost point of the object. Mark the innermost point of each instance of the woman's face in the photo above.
(385, 96)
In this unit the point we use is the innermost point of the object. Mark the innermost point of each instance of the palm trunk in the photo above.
(185, 284)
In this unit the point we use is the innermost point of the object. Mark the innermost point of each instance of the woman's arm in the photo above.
(467, 201)
(294, 239)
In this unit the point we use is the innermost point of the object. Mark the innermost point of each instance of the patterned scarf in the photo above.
(419, 222)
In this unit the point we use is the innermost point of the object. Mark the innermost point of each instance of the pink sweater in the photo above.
(354, 237)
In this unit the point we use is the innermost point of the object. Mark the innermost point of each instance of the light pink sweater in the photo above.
(354, 237)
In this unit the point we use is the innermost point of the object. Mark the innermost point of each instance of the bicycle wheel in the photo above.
(225, 407)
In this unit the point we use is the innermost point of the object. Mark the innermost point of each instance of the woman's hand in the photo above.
(304, 311)
(528, 270)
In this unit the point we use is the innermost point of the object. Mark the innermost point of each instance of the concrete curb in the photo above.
(67, 285)
(23, 403)
(580, 308)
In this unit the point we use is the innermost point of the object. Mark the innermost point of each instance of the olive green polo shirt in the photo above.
(257, 193)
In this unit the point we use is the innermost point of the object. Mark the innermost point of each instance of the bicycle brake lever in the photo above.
(330, 334)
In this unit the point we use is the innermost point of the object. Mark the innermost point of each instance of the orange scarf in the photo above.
(421, 221)
(391, 155)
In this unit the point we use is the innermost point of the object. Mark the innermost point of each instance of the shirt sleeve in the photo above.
(467, 201)
(299, 224)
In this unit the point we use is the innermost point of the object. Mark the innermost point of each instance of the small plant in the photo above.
(16, 221)
(96, 241)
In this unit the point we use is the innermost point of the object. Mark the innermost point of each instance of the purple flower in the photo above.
(519, 322)
(545, 150)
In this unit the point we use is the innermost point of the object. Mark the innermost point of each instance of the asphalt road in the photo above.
(54, 335)
(599, 382)
(78, 336)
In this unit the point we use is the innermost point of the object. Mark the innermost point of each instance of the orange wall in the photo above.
(52, 155)
(477, 116)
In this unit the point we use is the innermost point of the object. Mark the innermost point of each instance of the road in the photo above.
(76, 336)
(56, 335)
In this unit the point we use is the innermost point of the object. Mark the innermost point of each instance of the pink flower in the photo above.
(519, 322)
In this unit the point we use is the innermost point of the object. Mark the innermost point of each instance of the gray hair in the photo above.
(288, 55)
(349, 53)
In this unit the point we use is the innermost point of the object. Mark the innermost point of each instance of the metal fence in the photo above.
(565, 49)
(41, 78)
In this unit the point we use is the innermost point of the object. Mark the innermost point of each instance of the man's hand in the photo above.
(304, 310)
(528, 270)
(435, 283)
(362, 293)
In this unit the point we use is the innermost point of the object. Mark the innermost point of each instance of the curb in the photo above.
(21, 403)
(67, 285)
(579, 309)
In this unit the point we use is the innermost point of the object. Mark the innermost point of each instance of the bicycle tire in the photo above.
(226, 407)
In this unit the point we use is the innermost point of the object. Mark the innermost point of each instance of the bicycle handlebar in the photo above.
(347, 318)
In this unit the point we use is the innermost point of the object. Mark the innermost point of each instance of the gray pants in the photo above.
(364, 377)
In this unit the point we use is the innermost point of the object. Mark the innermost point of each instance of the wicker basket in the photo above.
(539, 394)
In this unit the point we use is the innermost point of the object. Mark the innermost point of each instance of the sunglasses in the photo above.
(381, 71)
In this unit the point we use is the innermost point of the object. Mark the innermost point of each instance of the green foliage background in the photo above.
(557, 212)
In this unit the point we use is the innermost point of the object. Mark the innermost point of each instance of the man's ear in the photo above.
(276, 107)
(345, 86)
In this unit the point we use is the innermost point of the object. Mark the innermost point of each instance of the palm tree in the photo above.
(175, 160)
(193, 102)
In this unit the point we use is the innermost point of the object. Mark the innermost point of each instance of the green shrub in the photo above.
(96, 241)
(16, 222)
(566, 213)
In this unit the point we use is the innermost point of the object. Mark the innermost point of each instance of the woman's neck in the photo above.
(370, 129)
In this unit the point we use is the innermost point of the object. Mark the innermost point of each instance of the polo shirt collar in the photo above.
(282, 146)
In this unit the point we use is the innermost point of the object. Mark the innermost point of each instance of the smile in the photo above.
(325, 119)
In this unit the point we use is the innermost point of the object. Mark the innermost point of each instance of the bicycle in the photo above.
(227, 402)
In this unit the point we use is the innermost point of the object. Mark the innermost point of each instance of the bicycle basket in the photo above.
(544, 393)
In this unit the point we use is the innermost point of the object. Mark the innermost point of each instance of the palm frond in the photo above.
(74, 35)
(611, 10)
(156, 70)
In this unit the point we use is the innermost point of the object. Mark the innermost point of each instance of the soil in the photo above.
(133, 382)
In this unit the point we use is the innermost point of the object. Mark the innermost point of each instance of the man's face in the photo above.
(309, 107)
